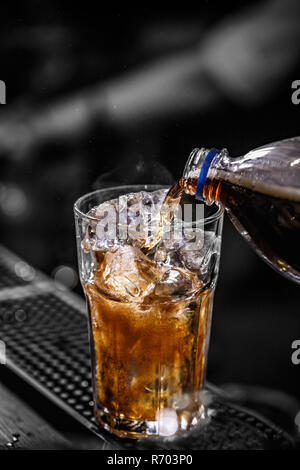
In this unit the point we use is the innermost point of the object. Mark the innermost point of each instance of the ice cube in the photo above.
(198, 253)
(176, 282)
(168, 257)
(144, 216)
(126, 274)
(131, 219)
(195, 250)
(100, 231)
(168, 250)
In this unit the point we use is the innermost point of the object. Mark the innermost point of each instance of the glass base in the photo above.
(169, 423)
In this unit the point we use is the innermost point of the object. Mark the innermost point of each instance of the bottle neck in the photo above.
(201, 168)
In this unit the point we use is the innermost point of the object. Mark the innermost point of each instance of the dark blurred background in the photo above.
(97, 98)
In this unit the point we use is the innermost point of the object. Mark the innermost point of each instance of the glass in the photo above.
(149, 312)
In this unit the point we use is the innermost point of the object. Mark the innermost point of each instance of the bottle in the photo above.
(261, 194)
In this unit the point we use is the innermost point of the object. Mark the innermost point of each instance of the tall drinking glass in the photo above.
(149, 292)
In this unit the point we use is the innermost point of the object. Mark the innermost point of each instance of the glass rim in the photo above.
(77, 211)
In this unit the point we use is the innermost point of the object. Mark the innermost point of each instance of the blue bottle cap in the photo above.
(203, 173)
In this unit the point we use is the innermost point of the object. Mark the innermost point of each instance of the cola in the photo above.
(150, 355)
(261, 193)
